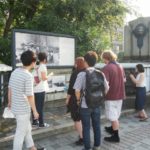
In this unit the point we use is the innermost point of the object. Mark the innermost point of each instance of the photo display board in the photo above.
(60, 49)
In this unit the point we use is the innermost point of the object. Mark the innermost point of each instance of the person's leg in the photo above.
(115, 125)
(20, 131)
(78, 127)
(108, 129)
(142, 99)
(28, 137)
(41, 118)
(115, 111)
(96, 126)
(40, 104)
(33, 148)
(75, 115)
(35, 121)
(85, 118)
(143, 114)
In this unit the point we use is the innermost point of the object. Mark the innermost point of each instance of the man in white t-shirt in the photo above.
(21, 101)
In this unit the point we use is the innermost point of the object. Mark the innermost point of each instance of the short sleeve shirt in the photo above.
(42, 86)
(21, 85)
(80, 85)
(115, 76)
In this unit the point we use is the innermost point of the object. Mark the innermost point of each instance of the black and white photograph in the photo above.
(60, 50)
(56, 83)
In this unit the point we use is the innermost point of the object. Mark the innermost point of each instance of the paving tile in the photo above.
(134, 135)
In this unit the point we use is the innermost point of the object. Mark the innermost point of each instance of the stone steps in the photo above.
(66, 126)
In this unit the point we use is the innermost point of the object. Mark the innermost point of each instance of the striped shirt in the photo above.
(21, 85)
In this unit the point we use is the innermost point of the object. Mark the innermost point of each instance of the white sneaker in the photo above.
(96, 148)
(45, 125)
(41, 148)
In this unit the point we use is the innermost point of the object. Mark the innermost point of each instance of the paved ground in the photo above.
(53, 116)
(134, 135)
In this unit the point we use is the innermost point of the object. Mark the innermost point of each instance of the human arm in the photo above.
(30, 95)
(9, 97)
(42, 71)
(124, 75)
(106, 79)
(44, 76)
(78, 96)
(71, 84)
(10, 92)
(106, 86)
(124, 79)
(67, 99)
(32, 104)
(106, 74)
(139, 81)
(78, 86)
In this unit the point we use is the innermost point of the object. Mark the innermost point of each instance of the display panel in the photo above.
(60, 49)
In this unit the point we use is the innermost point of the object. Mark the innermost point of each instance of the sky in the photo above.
(142, 7)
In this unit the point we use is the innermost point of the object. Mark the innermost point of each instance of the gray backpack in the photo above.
(94, 91)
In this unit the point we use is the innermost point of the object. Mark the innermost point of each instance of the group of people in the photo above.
(26, 97)
(114, 94)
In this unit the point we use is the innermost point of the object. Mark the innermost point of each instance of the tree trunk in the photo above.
(9, 19)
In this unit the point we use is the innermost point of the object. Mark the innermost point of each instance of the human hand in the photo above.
(78, 102)
(9, 105)
(50, 74)
(67, 101)
(36, 115)
(131, 75)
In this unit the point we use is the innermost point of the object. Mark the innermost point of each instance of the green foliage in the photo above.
(92, 22)
(5, 52)
(120, 56)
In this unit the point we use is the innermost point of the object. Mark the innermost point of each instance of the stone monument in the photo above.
(137, 39)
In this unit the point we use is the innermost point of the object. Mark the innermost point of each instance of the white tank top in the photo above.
(143, 84)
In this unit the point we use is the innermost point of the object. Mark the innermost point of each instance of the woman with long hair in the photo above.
(71, 101)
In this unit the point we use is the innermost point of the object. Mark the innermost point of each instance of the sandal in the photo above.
(137, 116)
(143, 119)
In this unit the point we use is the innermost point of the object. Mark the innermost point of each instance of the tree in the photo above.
(13, 13)
(92, 22)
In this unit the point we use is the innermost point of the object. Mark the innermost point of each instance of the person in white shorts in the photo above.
(115, 76)
(113, 109)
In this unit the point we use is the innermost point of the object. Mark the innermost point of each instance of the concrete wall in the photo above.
(59, 96)
(57, 99)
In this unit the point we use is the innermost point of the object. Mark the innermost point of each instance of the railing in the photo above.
(4, 78)
(130, 67)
